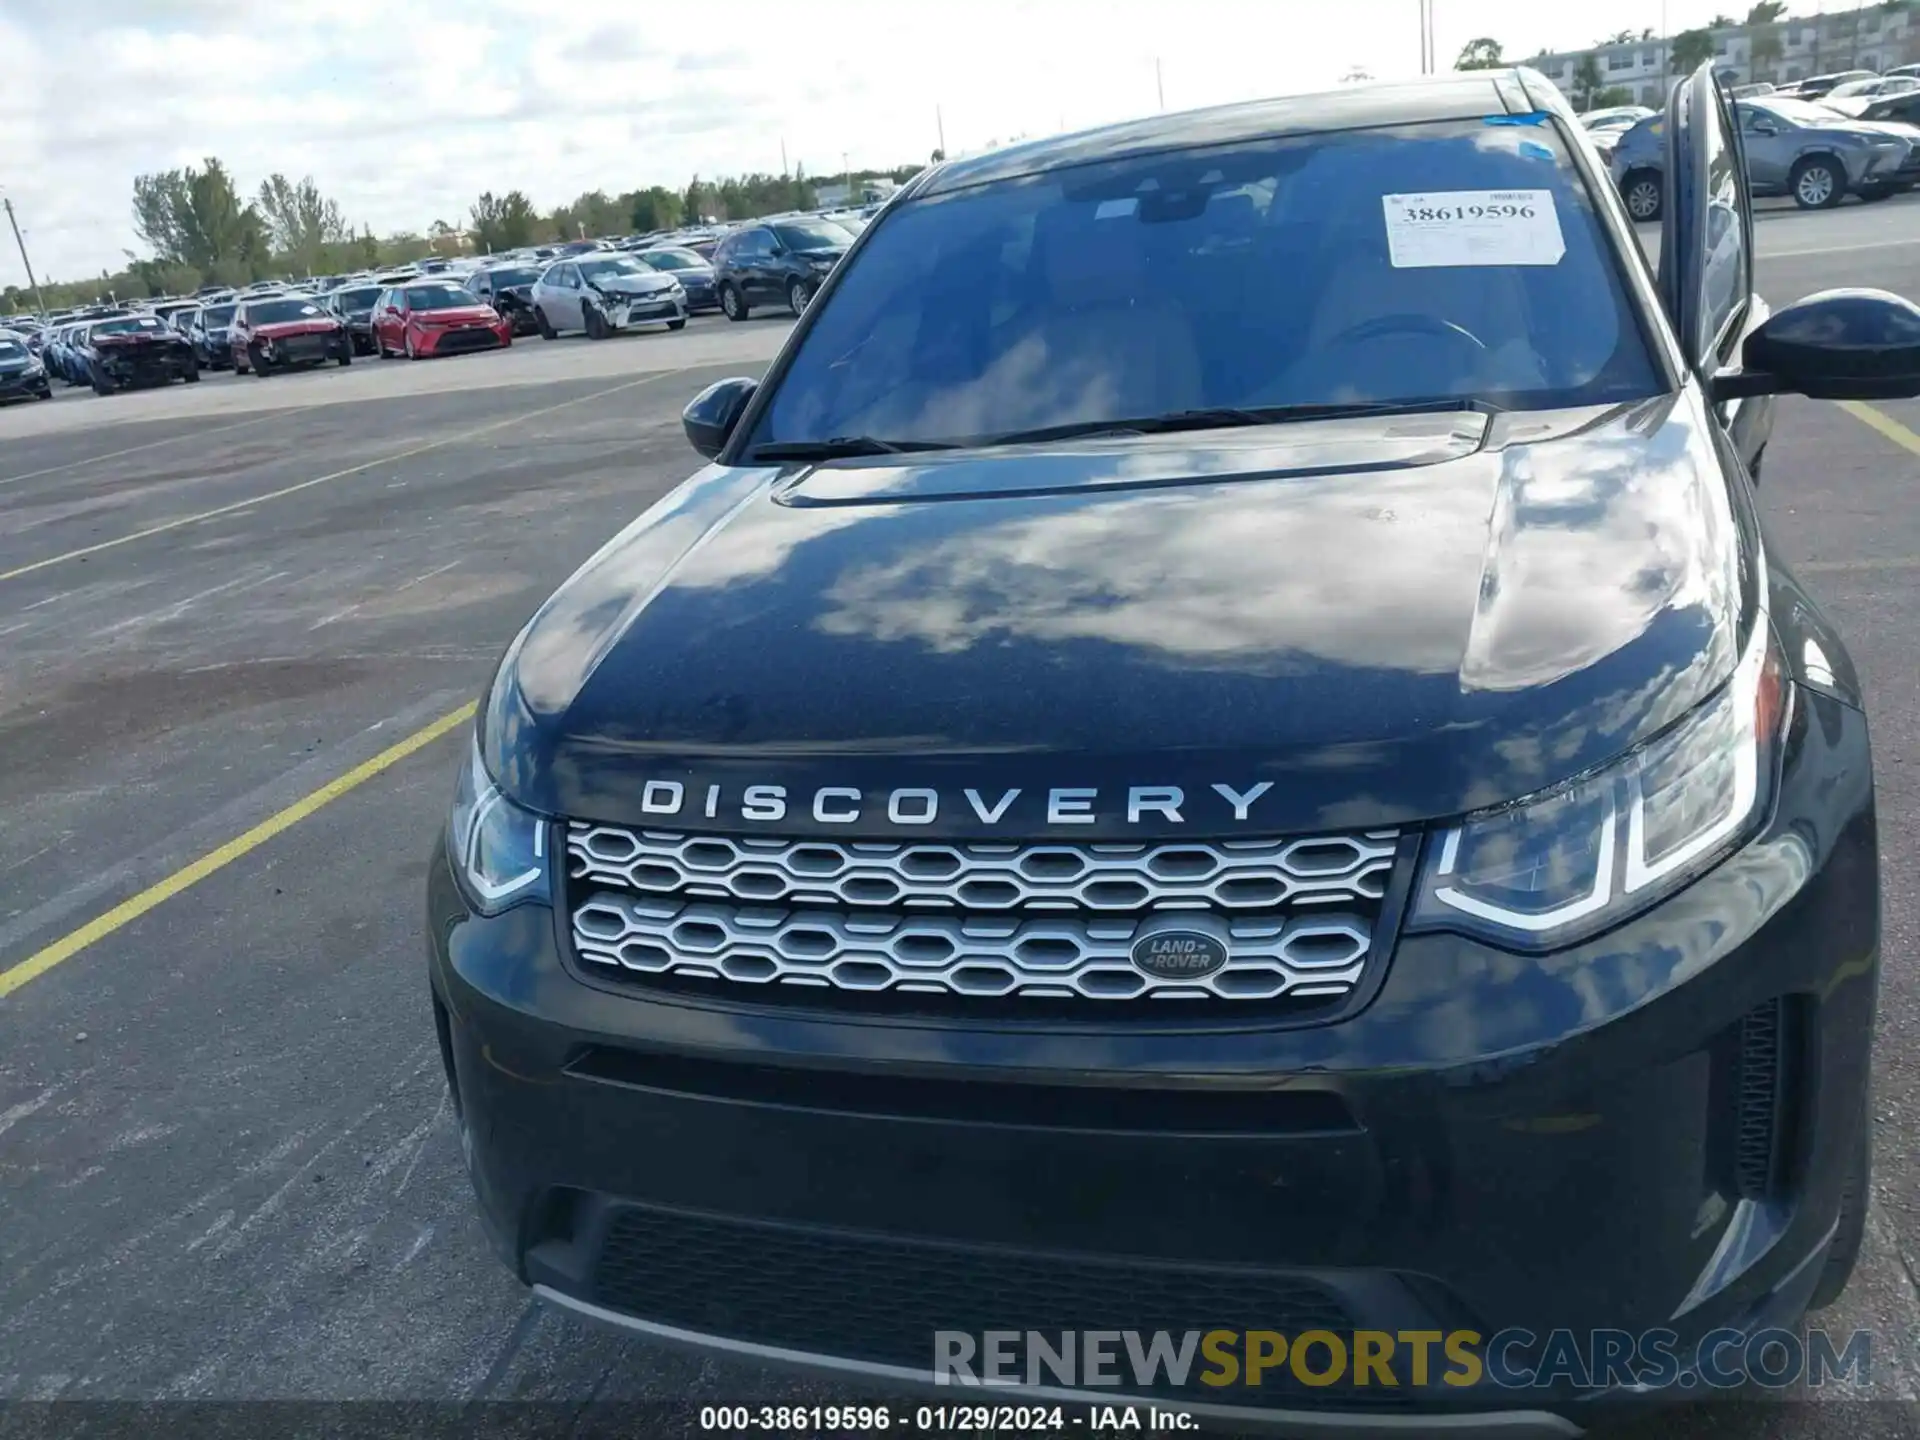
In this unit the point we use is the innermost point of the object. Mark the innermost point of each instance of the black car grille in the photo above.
(465, 338)
(299, 349)
(881, 1299)
(1766, 1050)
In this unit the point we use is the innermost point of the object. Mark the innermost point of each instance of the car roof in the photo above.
(1458, 96)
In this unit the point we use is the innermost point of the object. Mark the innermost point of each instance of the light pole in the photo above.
(38, 298)
(847, 166)
(1159, 85)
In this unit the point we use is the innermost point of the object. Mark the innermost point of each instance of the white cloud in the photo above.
(404, 110)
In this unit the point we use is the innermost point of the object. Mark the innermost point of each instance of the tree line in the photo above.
(203, 229)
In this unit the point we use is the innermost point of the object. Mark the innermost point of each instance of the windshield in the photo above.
(357, 299)
(439, 297)
(278, 312)
(132, 325)
(812, 234)
(610, 265)
(1441, 261)
(507, 279)
(673, 260)
(217, 314)
(11, 349)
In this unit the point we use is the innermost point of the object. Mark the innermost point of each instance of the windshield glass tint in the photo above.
(132, 325)
(504, 279)
(673, 260)
(1796, 112)
(611, 265)
(217, 314)
(11, 349)
(439, 297)
(278, 312)
(361, 299)
(1256, 275)
(812, 234)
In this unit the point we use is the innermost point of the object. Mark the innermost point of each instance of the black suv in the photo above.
(1217, 744)
(509, 289)
(353, 306)
(776, 262)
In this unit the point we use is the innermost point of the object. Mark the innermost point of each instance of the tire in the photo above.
(259, 365)
(101, 385)
(345, 357)
(1852, 1230)
(192, 373)
(596, 323)
(547, 332)
(799, 295)
(1884, 192)
(46, 394)
(1817, 183)
(1645, 195)
(732, 303)
(679, 324)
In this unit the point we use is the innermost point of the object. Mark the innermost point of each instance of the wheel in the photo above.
(258, 362)
(101, 385)
(732, 302)
(547, 332)
(798, 294)
(679, 324)
(1643, 193)
(192, 373)
(1853, 1223)
(345, 357)
(597, 327)
(1882, 192)
(1817, 183)
(46, 394)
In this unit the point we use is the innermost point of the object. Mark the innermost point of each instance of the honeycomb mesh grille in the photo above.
(1040, 921)
(881, 1299)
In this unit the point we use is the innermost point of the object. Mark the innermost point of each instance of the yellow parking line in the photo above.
(248, 504)
(151, 445)
(1879, 420)
(127, 911)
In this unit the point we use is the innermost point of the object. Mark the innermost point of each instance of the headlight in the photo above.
(499, 850)
(1557, 867)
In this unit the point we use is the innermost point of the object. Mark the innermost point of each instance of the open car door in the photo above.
(1706, 250)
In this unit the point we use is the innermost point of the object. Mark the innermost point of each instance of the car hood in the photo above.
(136, 340)
(287, 329)
(654, 284)
(459, 315)
(1899, 130)
(1383, 620)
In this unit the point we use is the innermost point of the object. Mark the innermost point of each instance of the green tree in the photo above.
(1587, 81)
(1722, 22)
(196, 218)
(1481, 54)
(1767, 49)
(1766, 12)
(693, 206)
(503, 222)
(1690, 50)
(300, 221)
(655, 208)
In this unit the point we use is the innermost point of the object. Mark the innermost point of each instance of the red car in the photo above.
(286, 332)
(436, 317)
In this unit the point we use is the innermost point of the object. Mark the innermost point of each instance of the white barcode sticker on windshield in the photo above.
(1473, 227)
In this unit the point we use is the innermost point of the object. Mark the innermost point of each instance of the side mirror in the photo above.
(710, 418)
(1836, 345)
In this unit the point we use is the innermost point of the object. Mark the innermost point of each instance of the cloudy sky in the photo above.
(404, 110)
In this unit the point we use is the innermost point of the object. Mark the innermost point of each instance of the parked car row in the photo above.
(436, 306)
(1800, 148)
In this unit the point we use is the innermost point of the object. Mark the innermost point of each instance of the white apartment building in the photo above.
(1871, 37)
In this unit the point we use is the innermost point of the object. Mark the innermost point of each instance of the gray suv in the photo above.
(1793, 147)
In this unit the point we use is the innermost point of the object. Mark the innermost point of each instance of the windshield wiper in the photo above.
(1226, 418)
(840, 448)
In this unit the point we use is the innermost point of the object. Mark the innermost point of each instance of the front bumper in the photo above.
(1551, 1143)
(23, 385)
(461, 339)
(644, 310)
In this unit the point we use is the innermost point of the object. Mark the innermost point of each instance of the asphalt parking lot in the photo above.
(228, 1162)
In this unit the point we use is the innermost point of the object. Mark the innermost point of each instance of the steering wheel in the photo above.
(1406, 323)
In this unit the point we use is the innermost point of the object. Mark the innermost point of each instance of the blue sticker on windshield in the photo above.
(1539, 117)
(1535, 149)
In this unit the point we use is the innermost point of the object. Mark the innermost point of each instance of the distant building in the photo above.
(1871, 37)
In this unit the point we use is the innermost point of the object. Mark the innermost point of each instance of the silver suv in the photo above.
(1793, 147)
